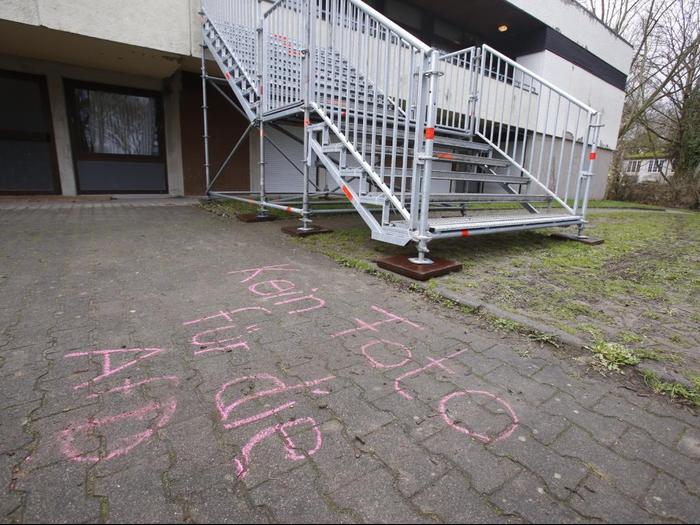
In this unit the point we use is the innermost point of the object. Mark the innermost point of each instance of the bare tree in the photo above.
(664, 34)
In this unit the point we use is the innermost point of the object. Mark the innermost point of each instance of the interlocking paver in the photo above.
(670, 499)
(597, 499)
(413, 465)
(630, 477)
(527, 496)
(453, 500)
(294, 498)
(377, 500)
(665, 429)
(292, 424)
(485, 470)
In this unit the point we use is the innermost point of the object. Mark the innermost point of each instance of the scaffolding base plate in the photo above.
(420, 272)
(573, 237)
(295, 231)
(253, 217)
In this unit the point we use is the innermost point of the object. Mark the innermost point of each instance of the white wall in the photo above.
(588, 88)
(166, 25)
(579, 25)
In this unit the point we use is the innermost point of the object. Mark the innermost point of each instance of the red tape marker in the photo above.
(347, 193)
(593, 155)
(429, 133)
(465, 233)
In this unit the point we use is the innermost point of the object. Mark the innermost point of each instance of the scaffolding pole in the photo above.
(205, 115)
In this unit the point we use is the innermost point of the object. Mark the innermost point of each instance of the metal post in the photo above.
(205, 116)
(308, 98)
(262, 210)
(430, 85)
(589, 173)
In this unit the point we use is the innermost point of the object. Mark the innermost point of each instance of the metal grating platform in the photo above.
(488, 219)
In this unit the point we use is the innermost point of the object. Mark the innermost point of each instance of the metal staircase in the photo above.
(421, 143)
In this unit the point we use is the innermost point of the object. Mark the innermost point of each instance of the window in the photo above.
(633, 166)
(656, 166)
(117, 138)
(113, 122)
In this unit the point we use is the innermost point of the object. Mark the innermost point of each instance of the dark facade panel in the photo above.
(578, 55)
(225, 126)
(121, 177)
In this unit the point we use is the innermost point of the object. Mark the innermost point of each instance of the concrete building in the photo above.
(103, 97)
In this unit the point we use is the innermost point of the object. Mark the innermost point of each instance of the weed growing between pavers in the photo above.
(672, 389)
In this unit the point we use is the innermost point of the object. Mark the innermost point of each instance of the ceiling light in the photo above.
(503, 28)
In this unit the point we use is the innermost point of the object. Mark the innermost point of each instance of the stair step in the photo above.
(474, 222)
(439, 140)
(478, 177)
(486, 197)
(335, 147)
(446, 175)
(440, 156)
(469, 159)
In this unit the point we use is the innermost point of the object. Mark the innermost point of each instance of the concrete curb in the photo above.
(472, 302)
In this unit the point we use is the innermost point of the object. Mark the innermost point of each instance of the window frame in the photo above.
(79, 151)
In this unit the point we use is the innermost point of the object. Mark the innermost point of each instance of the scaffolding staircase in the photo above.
(424, 145)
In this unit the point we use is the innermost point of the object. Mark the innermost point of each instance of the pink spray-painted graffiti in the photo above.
(433, 364)
(225, 410)
(367, 350)
(507, 432)
(281, 289)
(128, 386)
(292, 454)
(106, 355)
(274, 292)
(389, 318)
(163, 412)
(156, 414)
(279, 387)
(378, 364)
(216, 339)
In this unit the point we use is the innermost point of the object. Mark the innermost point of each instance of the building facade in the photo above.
(648, 169)
(105, 98)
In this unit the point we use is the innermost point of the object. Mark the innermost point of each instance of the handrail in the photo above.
(393, 26)
(540, 79)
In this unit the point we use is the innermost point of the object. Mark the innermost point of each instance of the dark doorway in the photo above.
(27, 152)
(118, 138)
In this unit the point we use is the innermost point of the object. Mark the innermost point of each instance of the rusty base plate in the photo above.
(573, 237)
(254, 217)
(420, 272)
(295, 231)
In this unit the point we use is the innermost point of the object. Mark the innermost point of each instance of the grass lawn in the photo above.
(634, 298)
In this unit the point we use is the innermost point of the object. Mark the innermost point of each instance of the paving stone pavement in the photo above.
(161, 364)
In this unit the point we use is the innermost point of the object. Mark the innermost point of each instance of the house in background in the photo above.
(102, 97)
(647, 168)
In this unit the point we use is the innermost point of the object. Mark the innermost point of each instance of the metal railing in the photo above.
(544, 132)
(369, 86)
(382, 92)
(237, 22)
(284, 41)
(459, 91)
